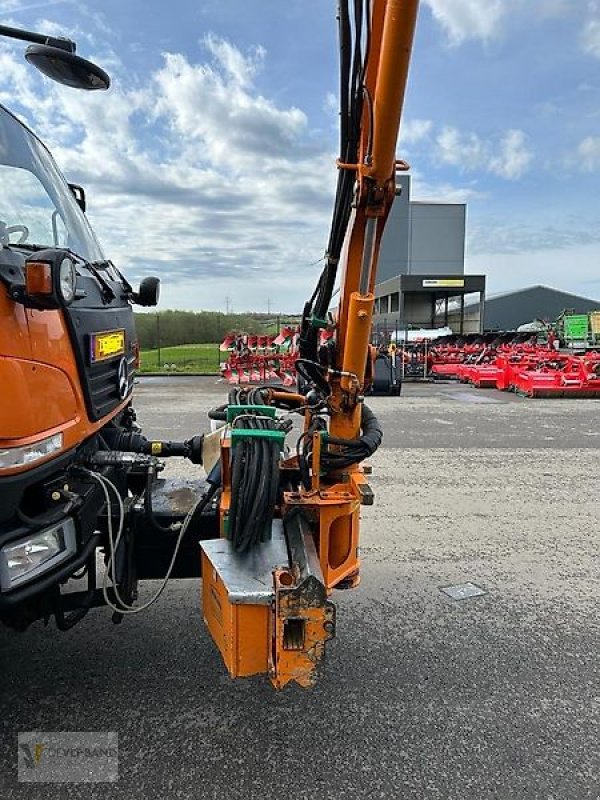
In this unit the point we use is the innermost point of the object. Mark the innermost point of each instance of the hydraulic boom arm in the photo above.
(293, 522)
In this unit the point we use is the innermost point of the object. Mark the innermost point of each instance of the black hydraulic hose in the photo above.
(219, 413)
(351, 101)
(345, 35)
(353, 451)
(254, 479)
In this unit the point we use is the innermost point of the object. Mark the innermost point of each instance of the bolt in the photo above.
(328, 627)
(55, 496)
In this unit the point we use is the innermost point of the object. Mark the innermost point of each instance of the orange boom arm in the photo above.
(392, 32)
(314, 517)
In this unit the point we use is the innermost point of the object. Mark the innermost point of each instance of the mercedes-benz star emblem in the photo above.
(122, 379)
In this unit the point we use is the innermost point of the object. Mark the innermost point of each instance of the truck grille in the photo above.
(103, 380)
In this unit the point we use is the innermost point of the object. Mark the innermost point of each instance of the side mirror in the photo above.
(50, 281)
(79, 195)
(149, 292)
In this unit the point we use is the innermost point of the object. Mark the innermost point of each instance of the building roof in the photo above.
(473, 303)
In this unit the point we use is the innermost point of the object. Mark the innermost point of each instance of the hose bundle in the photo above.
(353, 451)
(347, 451)
(354, 37)
(254, 480)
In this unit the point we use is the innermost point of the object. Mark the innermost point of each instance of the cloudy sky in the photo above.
(210, 160)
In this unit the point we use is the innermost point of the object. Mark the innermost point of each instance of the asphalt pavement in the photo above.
(420, 696)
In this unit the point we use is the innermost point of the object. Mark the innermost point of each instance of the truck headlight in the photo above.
(67, 279)
(25, 559)
(20, 456)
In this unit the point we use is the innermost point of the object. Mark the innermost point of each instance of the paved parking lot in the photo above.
(420, 696)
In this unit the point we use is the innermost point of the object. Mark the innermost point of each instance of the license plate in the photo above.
(106, 345)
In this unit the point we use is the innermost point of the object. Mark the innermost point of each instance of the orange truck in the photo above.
(274, 528)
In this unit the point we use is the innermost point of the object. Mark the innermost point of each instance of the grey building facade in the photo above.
(422, 238)
(421, 263)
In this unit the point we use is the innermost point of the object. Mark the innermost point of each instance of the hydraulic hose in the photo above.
(353, 451)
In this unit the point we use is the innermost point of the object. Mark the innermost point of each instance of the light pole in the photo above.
(56, 58)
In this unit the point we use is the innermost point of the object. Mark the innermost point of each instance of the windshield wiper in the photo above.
(107, 290)
(106, 264)
(27, 246)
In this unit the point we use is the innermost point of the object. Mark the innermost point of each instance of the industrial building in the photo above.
(422, 281)
(421, 272)
(506, 311)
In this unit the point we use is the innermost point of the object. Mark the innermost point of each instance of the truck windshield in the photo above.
(37, 208)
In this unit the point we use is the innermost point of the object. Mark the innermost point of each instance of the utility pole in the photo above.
(269, 306)
(227, 305)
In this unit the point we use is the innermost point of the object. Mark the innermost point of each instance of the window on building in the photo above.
(395, 302)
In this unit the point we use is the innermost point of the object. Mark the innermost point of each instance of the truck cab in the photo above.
(68, 355)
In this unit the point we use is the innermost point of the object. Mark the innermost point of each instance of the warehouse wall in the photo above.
(508, 311)
(422, 238)
(393, 255)
(437, 239)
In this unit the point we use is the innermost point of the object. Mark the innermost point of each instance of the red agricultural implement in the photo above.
(263, 359)
(560, 375)
(517, 364)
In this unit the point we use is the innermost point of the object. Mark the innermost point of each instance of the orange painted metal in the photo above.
(295, 657)
(331, 505)
(392, 32)
(337, 507)
(357, 342)
(399, 22)
(38, 364)
(241, 632)
(225, 501)
(41, 399)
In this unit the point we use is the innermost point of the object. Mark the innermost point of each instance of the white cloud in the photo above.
(469, 19)
(423, 190)
(216, 104)
(590, 37)
(509, 157)
(331, 104)
(487, 19)
(487, 237)
(16, 6)
(414, 130)
(519, 269)
(588, 153)
(193, 175)
(514, 157)
(237, 66)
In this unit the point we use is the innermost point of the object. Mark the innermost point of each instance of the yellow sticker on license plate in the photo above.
(106, 345)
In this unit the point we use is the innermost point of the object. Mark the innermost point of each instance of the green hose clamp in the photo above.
(237, 434)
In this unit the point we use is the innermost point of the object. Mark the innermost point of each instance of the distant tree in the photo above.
(197, 327)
